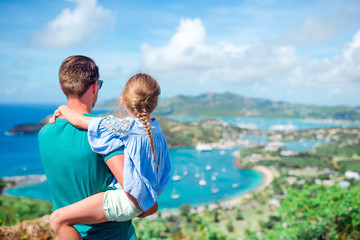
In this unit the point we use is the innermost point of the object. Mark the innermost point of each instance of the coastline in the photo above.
(268, 177)
(22, 181)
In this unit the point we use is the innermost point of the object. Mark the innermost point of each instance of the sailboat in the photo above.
(176, 177)
(214, 189)
(213, 177)
(208, 167)
(202, 182)
(175, 195)
(197, 174)
(185, 172)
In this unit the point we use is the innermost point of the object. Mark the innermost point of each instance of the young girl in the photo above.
(145, 171)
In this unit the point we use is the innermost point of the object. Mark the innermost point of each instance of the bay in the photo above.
(19, 155)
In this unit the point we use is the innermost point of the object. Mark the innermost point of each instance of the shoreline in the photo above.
(22, 181)
(268, 177)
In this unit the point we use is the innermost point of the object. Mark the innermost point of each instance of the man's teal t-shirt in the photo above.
(75, 172)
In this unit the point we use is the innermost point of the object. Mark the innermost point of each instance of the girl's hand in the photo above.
(56, 114)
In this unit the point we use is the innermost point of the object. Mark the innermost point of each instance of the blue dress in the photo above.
(142, 178)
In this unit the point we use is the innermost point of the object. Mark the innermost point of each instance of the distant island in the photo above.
(231, 105)
(28, 128)
(219, 105)
(178, 134)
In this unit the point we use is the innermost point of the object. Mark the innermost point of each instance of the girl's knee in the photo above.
(56, 221)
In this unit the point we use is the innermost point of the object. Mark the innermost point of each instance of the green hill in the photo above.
(229, 104)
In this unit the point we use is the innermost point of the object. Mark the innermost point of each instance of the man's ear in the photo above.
(95, 88)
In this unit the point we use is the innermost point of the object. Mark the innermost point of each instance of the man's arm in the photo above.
(116, 165)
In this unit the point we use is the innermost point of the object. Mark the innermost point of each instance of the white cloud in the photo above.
(189, 51)
(188, 57)
(352, 52)
(315, 30)
(74, 27)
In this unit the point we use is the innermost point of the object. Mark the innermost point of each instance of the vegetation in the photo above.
(316, 212)
(186, 134)
(342, 153)
(13, 210)
(229, 104)
(186, 225)
(2, 185)
(315, 206)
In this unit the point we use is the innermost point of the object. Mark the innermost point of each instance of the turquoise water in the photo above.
(303, 145)
(39, 191)
(216, 168)
(187, 162)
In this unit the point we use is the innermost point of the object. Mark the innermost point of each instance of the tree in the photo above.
(230, 226)
(319, 212)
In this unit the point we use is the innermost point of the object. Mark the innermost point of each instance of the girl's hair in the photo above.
(140, 96)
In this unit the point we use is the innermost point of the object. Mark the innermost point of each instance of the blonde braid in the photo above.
(143, 116)
(140, 96)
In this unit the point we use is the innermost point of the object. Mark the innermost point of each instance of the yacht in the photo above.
(185, 172)
(235, 185)
(214, 189)
(175, 195)
(208, 167)
(203, 147)
(176, 177)
(213, 177)
(202, 182)
(197, 174)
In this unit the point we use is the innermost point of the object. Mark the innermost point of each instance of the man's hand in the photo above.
(150, 211)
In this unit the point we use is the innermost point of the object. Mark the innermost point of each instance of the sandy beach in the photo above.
(268, 178)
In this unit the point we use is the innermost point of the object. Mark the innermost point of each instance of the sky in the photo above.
(295, 51)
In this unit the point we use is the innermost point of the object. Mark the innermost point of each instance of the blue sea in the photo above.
(19, 155)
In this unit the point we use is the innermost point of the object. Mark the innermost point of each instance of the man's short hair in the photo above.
(76, 75)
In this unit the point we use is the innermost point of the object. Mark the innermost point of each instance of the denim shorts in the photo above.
(118, 207)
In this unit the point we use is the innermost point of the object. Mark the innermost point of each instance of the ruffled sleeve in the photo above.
(108, 134)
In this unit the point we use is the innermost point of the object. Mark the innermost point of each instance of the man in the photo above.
(73, 171)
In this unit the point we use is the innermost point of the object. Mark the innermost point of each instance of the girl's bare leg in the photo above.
(87, 211)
